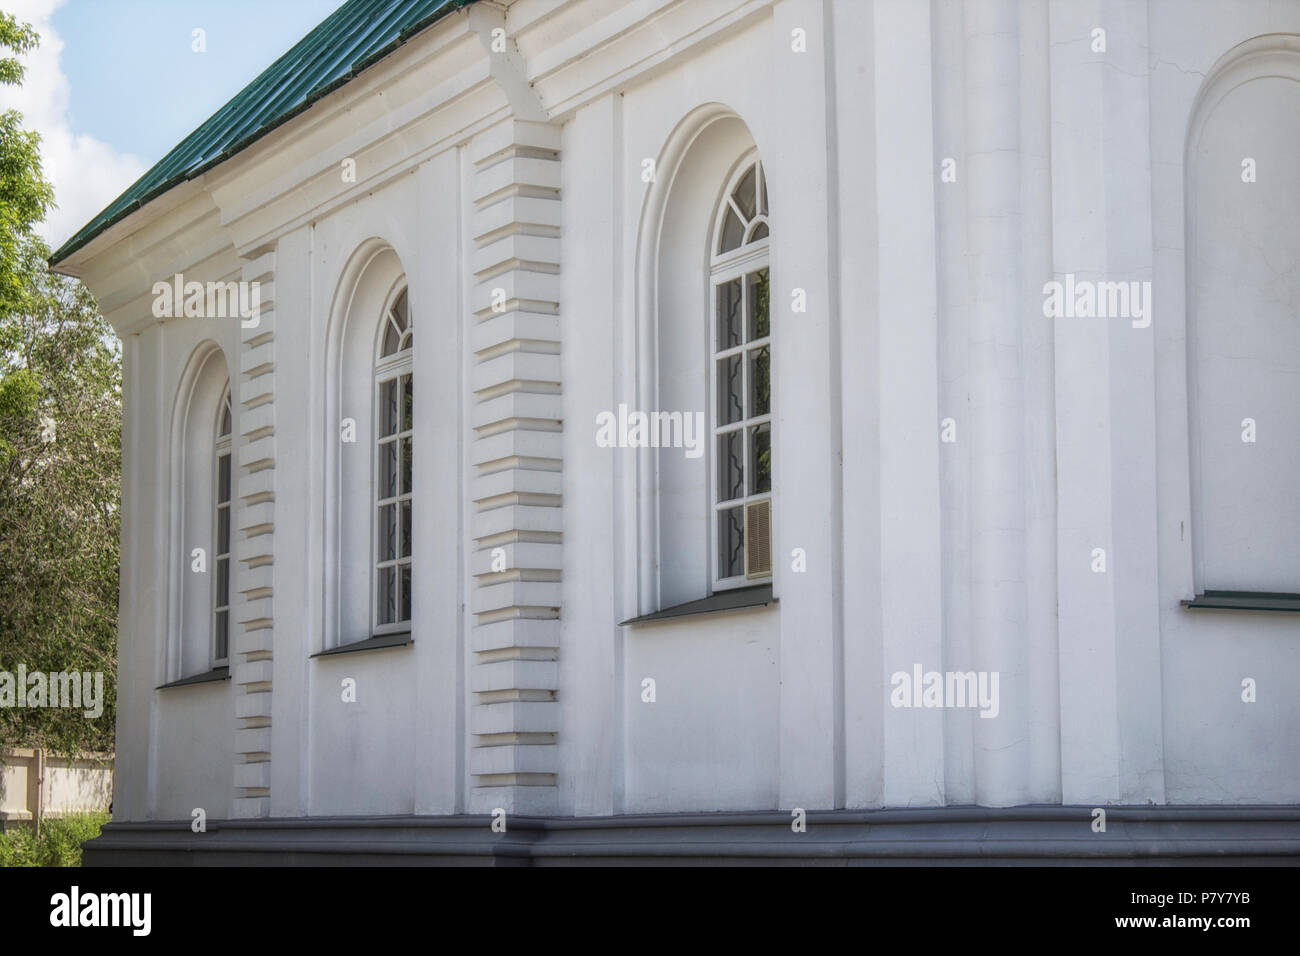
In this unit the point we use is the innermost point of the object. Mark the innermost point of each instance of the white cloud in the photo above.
(87, 173)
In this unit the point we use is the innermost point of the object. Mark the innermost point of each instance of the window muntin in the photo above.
(221, 537)
(740, 371)
(394, 473)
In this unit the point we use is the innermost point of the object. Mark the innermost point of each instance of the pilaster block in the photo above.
(515, 759)
(515, 675)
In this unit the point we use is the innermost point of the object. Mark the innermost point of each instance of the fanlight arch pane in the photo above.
(398, 334)
(744, 216)
(223, 429)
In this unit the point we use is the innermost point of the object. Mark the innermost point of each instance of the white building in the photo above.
(824, 232)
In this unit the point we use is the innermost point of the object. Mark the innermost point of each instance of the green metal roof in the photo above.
(350, 39)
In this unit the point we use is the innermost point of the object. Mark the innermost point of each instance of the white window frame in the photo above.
(740, 263)
(387, 369)
(222, 449)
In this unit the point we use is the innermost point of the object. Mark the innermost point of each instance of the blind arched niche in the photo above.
(1243, 232)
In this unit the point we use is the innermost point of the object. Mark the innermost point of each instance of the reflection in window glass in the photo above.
(741, 370)
(394, 466)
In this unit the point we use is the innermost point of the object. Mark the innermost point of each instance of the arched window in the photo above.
(394, 407)
(704, 347)
(202, 514)
(741, 382)
(221, 537)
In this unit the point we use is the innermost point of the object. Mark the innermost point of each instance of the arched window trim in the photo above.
(396, 368)
(740, 265)
(222, 530)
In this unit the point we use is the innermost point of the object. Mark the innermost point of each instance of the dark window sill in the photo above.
(212, 676)
(378, 642)
(734, 600)
(1245, 601)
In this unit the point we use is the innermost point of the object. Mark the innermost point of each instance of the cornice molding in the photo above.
(435, 93)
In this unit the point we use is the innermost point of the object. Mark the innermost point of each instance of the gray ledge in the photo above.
(369, 644)
(216, 674)
(732, 600)
(1245, 601)
(982, 836)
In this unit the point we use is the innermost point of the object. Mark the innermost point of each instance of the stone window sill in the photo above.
(1245, 601)
(212, 676)
(378, 642)
(736, 599)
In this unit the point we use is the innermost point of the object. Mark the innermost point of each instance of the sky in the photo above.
(115, 84)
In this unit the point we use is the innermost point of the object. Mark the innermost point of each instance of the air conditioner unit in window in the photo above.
(758, 539)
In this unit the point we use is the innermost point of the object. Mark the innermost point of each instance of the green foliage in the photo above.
(60, 487)
(60, 454)
(17, 38)
(25, 194)
(59, 844)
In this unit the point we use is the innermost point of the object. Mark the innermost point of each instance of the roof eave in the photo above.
(85, 236)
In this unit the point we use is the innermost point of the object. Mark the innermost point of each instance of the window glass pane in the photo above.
(729, 330)
(388, 408)
(762, 174)
(733, 232)
(223, 479)
(406, 594)
(386, 597)
(406, 529)
(223, 582)
(760, 459)
(760, 382)
(730, 397)
(388, 469)
(406, 466)
(387, 532)
(746, 195)
(399, 311)
(221, 642)
(759, 307)
(731, 465)
(225, 418)
(408, 401)
(731, 543)
(223, 531)
(760, 232)
(391, 339)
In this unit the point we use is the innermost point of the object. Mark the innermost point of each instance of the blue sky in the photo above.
(117, 83)
(122, 55)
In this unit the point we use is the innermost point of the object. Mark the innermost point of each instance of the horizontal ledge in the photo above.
(1245, 601)
(733, 600)
(216, 674)
(1288, 813)
(375, 643)
(1027, 835)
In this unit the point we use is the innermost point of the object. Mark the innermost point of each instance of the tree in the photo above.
(60, 489)
(25, 195)
(60, 456)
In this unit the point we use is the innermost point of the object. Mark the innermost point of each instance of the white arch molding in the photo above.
(365, 287)
(191, 471)
(672, 342)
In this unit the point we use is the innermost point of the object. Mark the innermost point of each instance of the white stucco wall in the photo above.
(924, 303)
(1218, 749)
